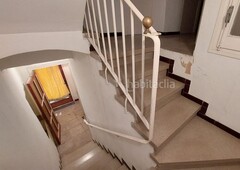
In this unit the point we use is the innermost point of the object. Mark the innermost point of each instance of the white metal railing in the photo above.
(97, 18)
(117, 133)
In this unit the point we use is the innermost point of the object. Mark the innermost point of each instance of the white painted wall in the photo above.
(173, 15)
(159, 14)
(23, 144)
(70, 81)
(161, 11)
(102, 109)
(25, 16)
(12, 44)
(178, 69)
(216, 78)
(166, 14)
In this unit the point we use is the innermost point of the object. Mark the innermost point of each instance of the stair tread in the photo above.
(113, 165)
(67, 159)
(148, 67)
(200, 141)
(165, 90)
(223, 167)
(148, 71)
(138, 57)
(123, 167)
(102, 162)
(138, 69)
(162, 95)
(149, 46)
(227, 167)
(170, 118)
(81, 160)
(94, 160)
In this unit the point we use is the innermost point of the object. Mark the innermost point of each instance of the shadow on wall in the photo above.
(34, 58)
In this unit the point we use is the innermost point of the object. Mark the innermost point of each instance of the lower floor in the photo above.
(75, 133)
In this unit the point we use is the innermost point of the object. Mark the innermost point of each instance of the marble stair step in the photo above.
(164, 96)
(198, 144)
(95, 159)
(168, 89)
(123, 167)
(85, 160)
(100, 161)
(113, 164)
(169, 120)
(69, 158)
(223, 167)
(149, 46)
(138, 57)
(148, 72)
(138, 69)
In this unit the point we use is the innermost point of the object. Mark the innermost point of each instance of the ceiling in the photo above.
(24, 16)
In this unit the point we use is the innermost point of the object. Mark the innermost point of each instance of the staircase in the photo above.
(181, 139)
(92, 156)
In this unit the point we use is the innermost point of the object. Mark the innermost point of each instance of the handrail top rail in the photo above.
(143, 141)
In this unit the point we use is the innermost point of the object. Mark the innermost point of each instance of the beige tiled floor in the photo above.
(181, 43)
(75, 132)
(77, 150)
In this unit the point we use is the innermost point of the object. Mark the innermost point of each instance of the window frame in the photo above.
(222, 42)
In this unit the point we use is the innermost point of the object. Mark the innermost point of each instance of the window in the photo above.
(226, 38)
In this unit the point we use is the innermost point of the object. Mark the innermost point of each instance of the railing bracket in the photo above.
(126, 105)
(106, 76)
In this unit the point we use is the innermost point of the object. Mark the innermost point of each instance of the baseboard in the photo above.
(123, 161)
(170, 33)
(112, 34)
(169, 61)
(204, 105)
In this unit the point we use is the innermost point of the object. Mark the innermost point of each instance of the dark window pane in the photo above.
(236, 25)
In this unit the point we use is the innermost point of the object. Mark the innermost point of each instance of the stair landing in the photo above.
(199, 143)
(91, 157)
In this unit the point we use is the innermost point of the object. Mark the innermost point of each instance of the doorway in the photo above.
(182, 37)
(49, 88)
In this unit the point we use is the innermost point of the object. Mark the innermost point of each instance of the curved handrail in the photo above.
(108, 59)
(143, 141)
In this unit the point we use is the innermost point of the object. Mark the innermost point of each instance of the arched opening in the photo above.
(69, 114)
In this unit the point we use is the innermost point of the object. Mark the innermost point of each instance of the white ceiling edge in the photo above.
(30, 16)
(12, 44)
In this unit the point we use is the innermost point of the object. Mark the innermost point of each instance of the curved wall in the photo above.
(12, 44)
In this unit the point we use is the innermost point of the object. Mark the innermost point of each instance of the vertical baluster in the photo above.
(108, 34)
(86, 22)
(143, 71)
(155, 85)
(90, 20)
(51, 117)
(133, 55)
(95, 23)
(124, 45)
(116, 40)
(101, 28)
